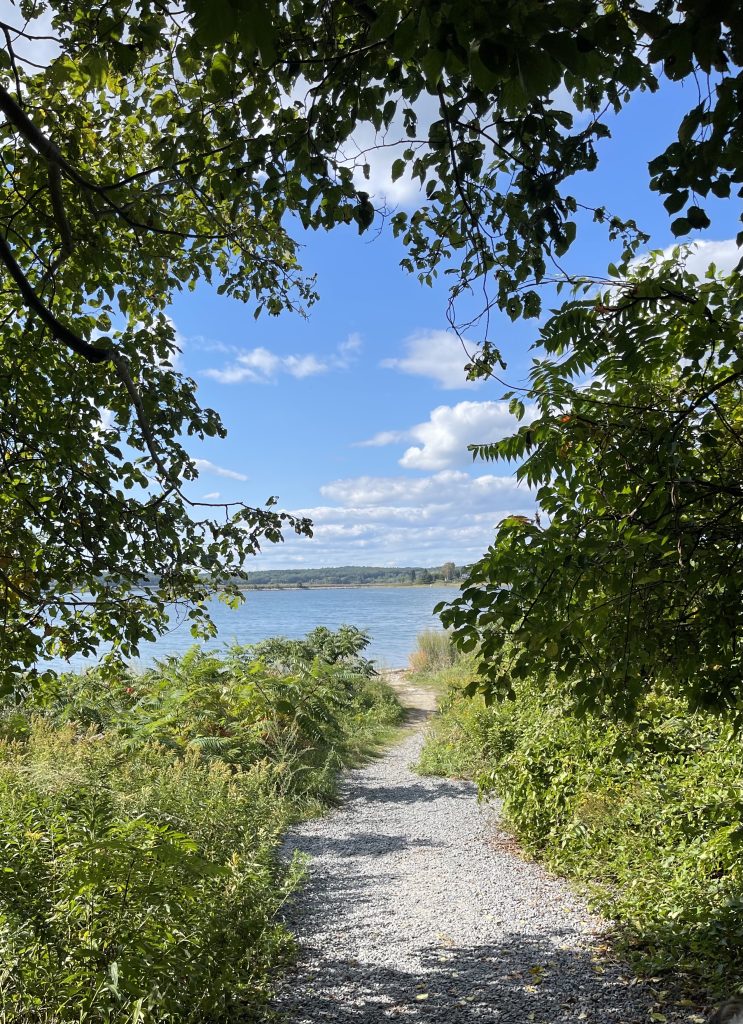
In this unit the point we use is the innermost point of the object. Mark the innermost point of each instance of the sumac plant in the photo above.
(630, 574)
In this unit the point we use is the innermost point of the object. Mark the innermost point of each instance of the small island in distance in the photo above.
(354, 576)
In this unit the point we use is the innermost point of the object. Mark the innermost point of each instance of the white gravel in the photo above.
(418, 909)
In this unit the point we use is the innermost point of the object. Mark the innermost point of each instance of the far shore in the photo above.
(346, 586)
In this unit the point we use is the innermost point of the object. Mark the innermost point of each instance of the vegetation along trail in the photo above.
(418, 908)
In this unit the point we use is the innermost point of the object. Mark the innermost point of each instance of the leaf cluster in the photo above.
(630, 574)
(161, 145)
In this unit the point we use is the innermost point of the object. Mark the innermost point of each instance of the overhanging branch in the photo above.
(44, 146)
(34, 303)
(60, 215)
(121, 364)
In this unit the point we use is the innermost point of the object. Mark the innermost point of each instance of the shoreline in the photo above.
(348, 586)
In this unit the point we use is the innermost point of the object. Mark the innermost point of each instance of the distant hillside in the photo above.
(355, 576)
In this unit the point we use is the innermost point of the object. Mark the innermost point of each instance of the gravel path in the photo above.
(417, 909)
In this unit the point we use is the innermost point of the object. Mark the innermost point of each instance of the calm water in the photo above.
(392, 615)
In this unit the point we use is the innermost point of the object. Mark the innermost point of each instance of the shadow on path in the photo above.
(516, 980)
(360, 844)
(411, 794)
(415, 716)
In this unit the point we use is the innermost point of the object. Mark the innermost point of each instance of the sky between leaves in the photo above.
(360, 415)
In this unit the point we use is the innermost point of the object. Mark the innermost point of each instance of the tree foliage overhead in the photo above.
(632, 576)
(149, 146)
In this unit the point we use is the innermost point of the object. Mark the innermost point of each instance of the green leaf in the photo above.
(220, 73)
(697, 218)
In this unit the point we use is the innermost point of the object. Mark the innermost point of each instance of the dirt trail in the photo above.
(420, 702)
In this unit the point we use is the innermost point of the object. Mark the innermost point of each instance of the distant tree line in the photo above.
(356, 575)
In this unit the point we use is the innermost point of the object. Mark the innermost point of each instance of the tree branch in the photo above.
(34, 303)
(55, 190)
(46, 148)
(20, 120)
(11, 54)
(121, 364)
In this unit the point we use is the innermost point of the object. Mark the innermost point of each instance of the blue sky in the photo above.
(360, 415)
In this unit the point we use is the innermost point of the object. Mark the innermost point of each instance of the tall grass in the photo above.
(139, 824)
(456, 740)
(434, 652)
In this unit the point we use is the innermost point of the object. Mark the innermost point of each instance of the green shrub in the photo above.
(139, 820)
(134, 884)
(342, 647)
(648, 815)
(454, 744)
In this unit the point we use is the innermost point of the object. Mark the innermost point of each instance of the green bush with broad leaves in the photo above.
(139, 823)
(455, 741)
(647, 815)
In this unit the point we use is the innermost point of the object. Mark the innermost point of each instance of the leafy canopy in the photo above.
(631, 575)
(150, 146)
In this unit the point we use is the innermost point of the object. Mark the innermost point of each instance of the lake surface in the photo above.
(393, 616)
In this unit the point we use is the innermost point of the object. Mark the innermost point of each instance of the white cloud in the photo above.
(439, 355)
(211, 496)
(725, 255)
(443, 439)
(420, 520)
(447, 488)
(262, 366)
(379, 151)
(107, 419)
(348, 350)
(384, 437)
(205, 466)
(303, 366)
(700, 254)
(399, 521)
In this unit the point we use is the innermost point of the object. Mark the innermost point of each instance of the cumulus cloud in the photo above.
(378, 150)
(262, 366)
(701, 254)
(205, 466)
(383, 438)
(443, 438)
(725, 255)
(450, 488)
(445, 516)
(439, 355)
